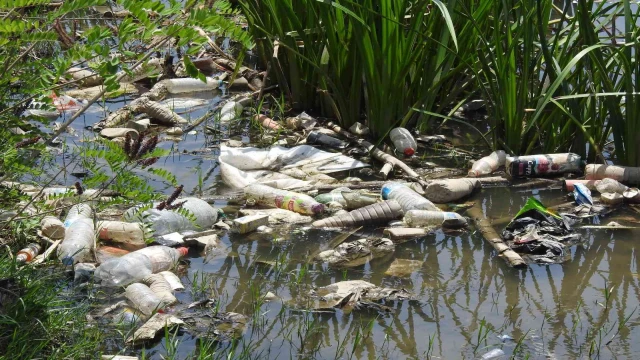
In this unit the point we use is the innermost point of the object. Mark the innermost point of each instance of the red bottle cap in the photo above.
(409, 152)
(183, 251)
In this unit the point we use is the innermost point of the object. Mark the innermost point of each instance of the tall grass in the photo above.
(554, 77)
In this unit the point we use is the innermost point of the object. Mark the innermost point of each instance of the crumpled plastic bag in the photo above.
(540, 234)
(240, 167)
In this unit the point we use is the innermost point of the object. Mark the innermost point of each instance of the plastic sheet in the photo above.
(240, 167)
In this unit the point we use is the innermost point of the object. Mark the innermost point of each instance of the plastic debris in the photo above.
(153, 326)
(488, 164)
(173, 280)
(543, 165)
(78, 237)
(316, 138)
(190, 85)
(283, 199)
(444, 191)
(402, 234)
(162, 222)
(357, 252)
(403, 267)
(427, 218)
(493, 354)
(143, 299)
(267, 122)
(240, 167)
(590, 184)
(52, 227)
(138, 264)
(247, 224)
(407, 198)
(582, 195)
(612, 198)
(623, 174)
(161, 288)
(610, 186)
(381, 212)
(403, 141)
(125, 233)
(28, 253)
(540, 234)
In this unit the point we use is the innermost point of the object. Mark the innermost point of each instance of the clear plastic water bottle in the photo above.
(164, 222)
(187, 85)
(403, 141)
(488, 164)
(79, 237)
(407, 198)
(419, 218)
(137, 265)
(143, 299)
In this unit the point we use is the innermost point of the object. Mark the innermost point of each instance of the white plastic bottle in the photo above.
(419, 218)
(79, 236)
(121, 232)
(488, 164)
(173, 280)
(407, 198)
(403, 141)
(161, 287)
(137, 265)
(230, 111)
(188, 85)
(164, 222)
(143, 298)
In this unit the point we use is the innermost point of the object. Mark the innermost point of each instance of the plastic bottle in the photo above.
(79, 238)
(381, 212)
(444, 191)
(316, 138)
(164, 222)
(52, 227)
(610, 186)
(358, 199)
(267, 122)
(80, 211)
(187, 85)
(142, 71)
(623, 174)
(283, 199)
(407, 198)
(121, 232)
(136, 265)
(173, 280)
(331, 197)
(419, 218)
(493, 354)
(161, 288)
(230, 111)
(488, 164)
(403, 141)
(27, 254)
(143, 299)
(541, 165)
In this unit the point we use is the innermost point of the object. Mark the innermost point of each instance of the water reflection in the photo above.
(466, 297)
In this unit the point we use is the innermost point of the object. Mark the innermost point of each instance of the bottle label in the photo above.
(288, 202)
(540, 165)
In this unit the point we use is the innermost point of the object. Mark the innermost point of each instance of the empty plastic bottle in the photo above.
(407, 198)
(283, 199)
(541, 165)
(493, 354)
(187, 85)
(419, 218)
(162, 222)
(403, 141)
(27, 254)
(488, 164)
(173, 280)
(161, 287)
(610, 186)
(358, 199)
(316, 138)
(79, 237)
(137, 265)
(52, 227)
(143, 299)
(381, 212)
(121, 232)
(331, 197)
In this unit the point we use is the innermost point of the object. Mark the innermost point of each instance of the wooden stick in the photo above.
(377, 153)
(491, 236)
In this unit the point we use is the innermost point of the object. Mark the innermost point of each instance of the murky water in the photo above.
(467, 301)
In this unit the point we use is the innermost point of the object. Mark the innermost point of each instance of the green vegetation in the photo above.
(554, 79)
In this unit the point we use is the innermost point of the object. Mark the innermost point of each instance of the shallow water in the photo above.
(466, 299)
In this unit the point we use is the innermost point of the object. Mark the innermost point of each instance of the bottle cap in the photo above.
(409, 152)
(183, 251)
